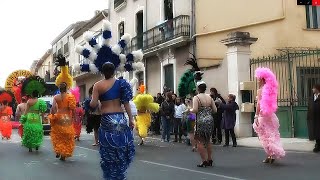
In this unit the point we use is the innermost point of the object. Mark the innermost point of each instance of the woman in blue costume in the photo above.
(115, 136)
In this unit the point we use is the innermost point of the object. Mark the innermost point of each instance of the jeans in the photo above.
(233, 136)
(166, 127)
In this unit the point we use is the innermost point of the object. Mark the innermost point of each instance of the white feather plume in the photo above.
(139, 66)
(93, 68)
(126, 75)
(126, 37)
(116, 49)
(93, 56)
(87, 36)
(106, 42)
(106, 25)
(133, 82)
(123, 58)
(79, 49)
(121, 68)
(137, 55)
(77, 67)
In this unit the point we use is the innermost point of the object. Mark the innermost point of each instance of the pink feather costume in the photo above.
(77, 125)
(268, 123)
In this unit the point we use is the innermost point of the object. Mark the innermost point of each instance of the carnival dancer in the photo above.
(204, 107)
(6, 114)
(266, 123)
(32, 137)
(145, 105)
(115, 136)
(62, 114)
(77, 124)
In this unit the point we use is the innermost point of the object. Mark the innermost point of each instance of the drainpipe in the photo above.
(193, 26)
(145, 60)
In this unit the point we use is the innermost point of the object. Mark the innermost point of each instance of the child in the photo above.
(229, 119)
(179, 109)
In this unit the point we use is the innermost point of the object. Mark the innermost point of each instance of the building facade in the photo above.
(162, 29)
(288, 36)
(43, 67)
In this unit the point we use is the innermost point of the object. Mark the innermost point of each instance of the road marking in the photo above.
(191, 170)
(87, 149)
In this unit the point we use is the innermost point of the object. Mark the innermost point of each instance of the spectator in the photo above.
(179, 109)
(229, 119)
(217, 117)
(167, 112)
(157, 120)
(313, 117)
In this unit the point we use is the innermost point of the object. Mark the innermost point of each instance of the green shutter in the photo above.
(308, 17)
(314, 17)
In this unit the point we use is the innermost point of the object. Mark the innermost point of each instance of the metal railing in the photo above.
(118, 3)
(169, 30)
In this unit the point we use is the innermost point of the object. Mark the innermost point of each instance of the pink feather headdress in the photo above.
(76, 92)
(269, 92)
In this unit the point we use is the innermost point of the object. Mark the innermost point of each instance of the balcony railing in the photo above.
(169, 30)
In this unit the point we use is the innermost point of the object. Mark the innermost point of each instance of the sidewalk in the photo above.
(289, 144)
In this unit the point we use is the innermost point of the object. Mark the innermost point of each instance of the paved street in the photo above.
(156, 161)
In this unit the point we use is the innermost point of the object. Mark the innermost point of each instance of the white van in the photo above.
(45, 121)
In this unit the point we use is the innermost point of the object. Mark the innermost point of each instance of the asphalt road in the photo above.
(154, 161)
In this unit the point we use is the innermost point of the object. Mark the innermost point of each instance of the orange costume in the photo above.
(5, 124)
(62, 131)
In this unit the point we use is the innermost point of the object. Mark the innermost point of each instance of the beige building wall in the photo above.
(153, 75)
(276, 24)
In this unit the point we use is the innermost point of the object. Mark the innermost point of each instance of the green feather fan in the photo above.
(186, 85)
(33, 83)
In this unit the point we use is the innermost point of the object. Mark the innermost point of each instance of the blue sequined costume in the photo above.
(115, 136)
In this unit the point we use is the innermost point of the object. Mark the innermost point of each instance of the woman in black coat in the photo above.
(313, 117)
(229, 119)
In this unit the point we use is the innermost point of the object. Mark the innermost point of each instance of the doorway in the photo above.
(168, 76)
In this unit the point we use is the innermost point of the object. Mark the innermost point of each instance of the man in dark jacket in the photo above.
(167, 112)
(159, 100)
(313, 117)
(217, 117)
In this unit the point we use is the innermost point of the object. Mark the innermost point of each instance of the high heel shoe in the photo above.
(271, 161)
(209, 163)
(203, 164)
(267, 160)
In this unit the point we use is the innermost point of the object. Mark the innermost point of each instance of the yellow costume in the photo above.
(62, 131)
(144, 104)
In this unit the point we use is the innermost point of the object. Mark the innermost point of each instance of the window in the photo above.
(313, 17)
(60, 51)
(168, 10)
(119, 3)
(121, 29)
(66, 48)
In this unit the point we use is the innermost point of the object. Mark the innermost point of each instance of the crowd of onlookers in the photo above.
(174, 118)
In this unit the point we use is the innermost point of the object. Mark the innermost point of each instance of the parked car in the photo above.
(45, 120)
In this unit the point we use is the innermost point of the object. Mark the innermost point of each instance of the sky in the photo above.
(29, 26)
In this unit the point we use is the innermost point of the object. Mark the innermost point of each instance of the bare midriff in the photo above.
(111, 106)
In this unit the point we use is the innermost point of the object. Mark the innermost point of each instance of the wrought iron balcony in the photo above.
(178, 27)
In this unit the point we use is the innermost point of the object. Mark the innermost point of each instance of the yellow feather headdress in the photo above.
(64, 76)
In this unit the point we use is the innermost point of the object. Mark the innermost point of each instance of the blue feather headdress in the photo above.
(98, 54)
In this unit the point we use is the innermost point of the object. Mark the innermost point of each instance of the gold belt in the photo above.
(65, 120)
